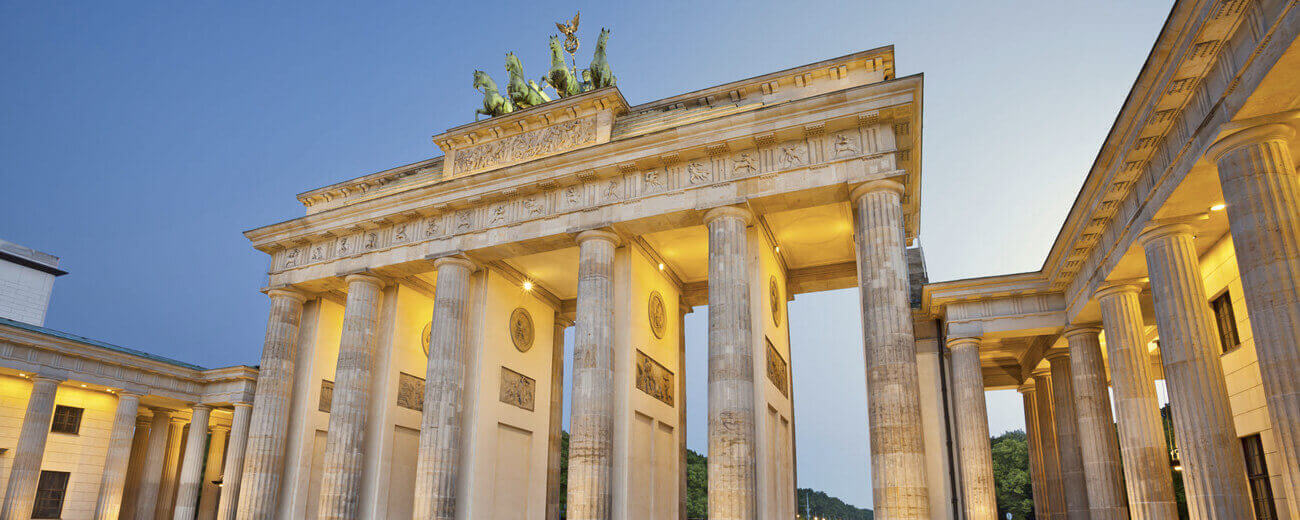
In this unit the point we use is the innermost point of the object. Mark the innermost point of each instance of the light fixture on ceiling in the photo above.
(777, 249)
(1218, 207)
(661, 266)
(528, 285)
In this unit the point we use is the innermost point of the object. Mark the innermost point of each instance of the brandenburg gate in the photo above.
(414, 354)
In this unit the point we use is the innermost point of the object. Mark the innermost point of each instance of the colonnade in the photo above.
(898, 452)
(1083, 466)
(146, 474)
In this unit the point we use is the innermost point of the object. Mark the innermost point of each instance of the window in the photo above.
(1257, 474)
(67, 419)
(49, 494)
(1226, 321)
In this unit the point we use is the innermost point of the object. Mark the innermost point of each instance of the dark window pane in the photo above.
(1257, 472)
(1226, 321)
(67, 419)
(50, 490)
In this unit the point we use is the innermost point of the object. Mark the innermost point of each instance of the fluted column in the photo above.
(438, 466)
(893, 390)
(25, 472)
(171, 468)
(341, 479)
(1038, 481)
(1141, 431)
(1214, 472)
(1097, 441)
(732, 477)
(209, 494)
(1067, 436)
(191, 480)
(1049, 446)
(232, 475)
(974, 448)
(591, 416)
(135, 470)
(555, 435)
(1260, 186)
(264, 454)
(146, 499)
(109, 502)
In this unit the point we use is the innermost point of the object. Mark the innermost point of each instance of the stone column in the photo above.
(438, 467)
(264, 459)
(1262, 191)
(146, 500)
(209, 493)
(190, 484)
(591, 416)
(1049, 446)
(555, 435)
(1141, 431)
(974, 449)
(171, 468)
(341, 480)
(109, 502)
(893, 390)
(135, 470)
(1097, 441)
(1214, 471)
(682, 495)
(732, 476)
(1067, 436)
(232, 475)
(25, 471)
(1038, 481)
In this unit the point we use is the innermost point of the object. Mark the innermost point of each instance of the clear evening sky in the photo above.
(139, 139)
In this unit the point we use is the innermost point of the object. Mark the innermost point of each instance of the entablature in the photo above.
(33, 351)
(842, 137)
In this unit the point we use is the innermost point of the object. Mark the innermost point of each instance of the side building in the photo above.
(94, 430)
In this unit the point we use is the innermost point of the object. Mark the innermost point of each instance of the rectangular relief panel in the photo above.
(778, 371)
(410, 392)
(326, 396)
(518, 389)
(654, 379)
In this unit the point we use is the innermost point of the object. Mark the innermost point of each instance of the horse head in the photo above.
(604, 37)
(555, 45)
(483, 80)
(513, 65)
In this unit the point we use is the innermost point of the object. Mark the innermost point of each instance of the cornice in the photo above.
(934, 296)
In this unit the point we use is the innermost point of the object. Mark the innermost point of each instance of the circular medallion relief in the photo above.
(658, 317)
(776, 301)
(521, 329)
(426, 336)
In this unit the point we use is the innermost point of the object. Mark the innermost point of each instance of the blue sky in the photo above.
(140, 139)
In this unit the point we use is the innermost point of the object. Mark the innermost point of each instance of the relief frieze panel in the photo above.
(560, 137)
(872, 144)
(654, 379)
(518, 389)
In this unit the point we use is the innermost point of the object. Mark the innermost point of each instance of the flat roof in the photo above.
(28, 257)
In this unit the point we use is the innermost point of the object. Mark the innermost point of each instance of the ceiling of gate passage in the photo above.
(814, 237)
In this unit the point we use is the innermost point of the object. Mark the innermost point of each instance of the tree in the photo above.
(1011, 478)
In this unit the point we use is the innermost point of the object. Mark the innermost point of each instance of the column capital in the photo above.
(1116, 288)
(1164, 229)
(48, 378)
(1027, 387)
(286, 292)
(1235, 134)
(219, 427)
(458, 260)
(200, 406)
(597, 234)
(1056, 353)
(179, 421)
(365, 277)
(1081, 329)
(141, 420)
(242, 405)
(728, 211)
(964, 341)
(877, 185)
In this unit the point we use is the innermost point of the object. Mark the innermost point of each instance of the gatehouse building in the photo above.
(413, 364)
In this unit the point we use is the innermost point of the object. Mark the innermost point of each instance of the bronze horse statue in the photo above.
(494, 104)
(521, 92)
(561, 77)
